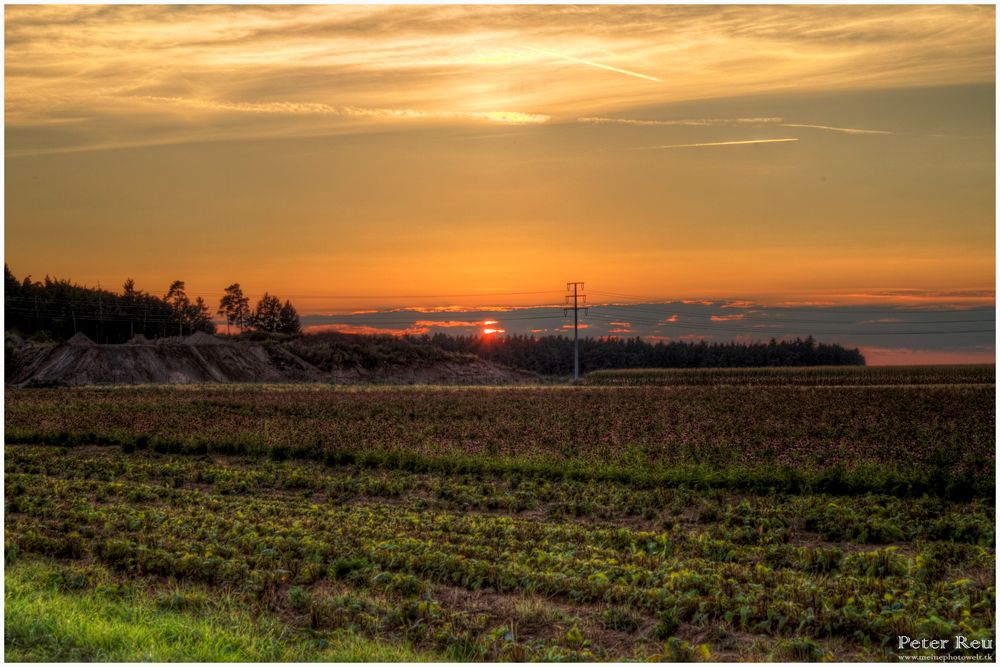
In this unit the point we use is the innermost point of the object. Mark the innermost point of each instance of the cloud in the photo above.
(363, 329)
(458, 309)
(689, 122)
(725, 122)
(828, 128)
(728, 318)
(67, 67)
(721, 143)
(509, 117)
(592, 64)
(449, 324)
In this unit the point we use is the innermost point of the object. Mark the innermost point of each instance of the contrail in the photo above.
(845, 130)
(718, 143)
(592, 64)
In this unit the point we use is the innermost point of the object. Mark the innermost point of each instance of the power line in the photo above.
(702, 327)
(767, 317)
(410, 296)
(836, 309)
(141, 294)
(139, 298)
(373, 321)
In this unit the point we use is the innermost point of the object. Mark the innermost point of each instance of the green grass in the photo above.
(47, 621)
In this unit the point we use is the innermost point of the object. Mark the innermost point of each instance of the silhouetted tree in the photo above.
(235, 307)
(198, 317)
(267, 315)
(128, 302)
(178, 300)
(288, 319)
(56, 309)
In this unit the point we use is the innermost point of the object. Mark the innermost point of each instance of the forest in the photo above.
(54, 309)
(553, 355)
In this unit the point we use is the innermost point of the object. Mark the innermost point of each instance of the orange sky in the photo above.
(770, 152)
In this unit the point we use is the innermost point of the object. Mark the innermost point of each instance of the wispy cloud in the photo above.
(725, 122)
(683, 122)
(592, 63)
(364, 329)
(451, 324)
(511, 117)
(457, 64)
(844, 130)
(722, 143)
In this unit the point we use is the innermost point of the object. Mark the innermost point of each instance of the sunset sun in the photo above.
(490, 328)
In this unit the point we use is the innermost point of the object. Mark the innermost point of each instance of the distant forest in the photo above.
(553, 355)
(54, 309)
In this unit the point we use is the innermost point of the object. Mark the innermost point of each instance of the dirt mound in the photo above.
(202, 358)
(80, 339)
(200, 338)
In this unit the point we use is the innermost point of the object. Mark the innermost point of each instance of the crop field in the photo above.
(800, 376)
(707, 521)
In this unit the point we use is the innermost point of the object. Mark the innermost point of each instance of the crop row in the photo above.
(731, 565)
(799, 376)
(772, 518)
(903, 440)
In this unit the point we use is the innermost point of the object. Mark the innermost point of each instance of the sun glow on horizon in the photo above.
(489, 328)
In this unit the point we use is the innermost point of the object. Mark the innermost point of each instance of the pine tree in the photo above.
(289, 319)
(235, 307)
(267, 315)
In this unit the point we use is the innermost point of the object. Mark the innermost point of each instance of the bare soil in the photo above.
(203, 358)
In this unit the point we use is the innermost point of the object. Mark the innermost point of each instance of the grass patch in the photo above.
(47, 621)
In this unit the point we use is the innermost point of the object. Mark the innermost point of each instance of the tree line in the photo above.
(57, 309)
(553, 355)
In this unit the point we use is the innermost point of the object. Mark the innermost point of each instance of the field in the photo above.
(710, 520)
(799, 376)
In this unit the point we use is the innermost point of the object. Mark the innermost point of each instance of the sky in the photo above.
(464, 158)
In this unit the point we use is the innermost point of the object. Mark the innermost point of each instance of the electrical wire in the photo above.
(747, 316)
(835, 309)
(700, 327)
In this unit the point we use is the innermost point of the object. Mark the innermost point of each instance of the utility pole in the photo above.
(578, 299)
(100, 312)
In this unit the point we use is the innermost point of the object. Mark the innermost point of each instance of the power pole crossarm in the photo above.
(579, 302)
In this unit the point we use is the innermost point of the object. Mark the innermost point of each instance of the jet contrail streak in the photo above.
(592, 64)
(719, 143)
(845, 130)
